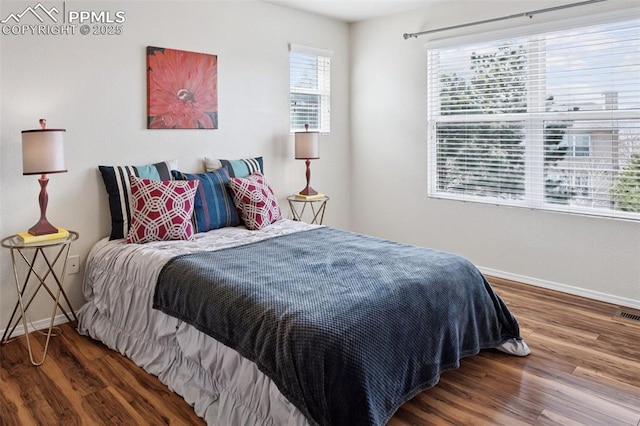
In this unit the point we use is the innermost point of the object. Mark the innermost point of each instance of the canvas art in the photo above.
(182, 89)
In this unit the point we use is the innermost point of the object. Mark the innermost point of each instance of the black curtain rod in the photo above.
(502, 18)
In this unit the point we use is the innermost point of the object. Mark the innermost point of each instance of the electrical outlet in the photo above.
(73, 264)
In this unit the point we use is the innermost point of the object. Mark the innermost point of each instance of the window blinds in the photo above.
(310, 88)
(549, 120)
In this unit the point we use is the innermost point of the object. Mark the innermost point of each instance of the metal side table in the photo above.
(41, 265)
(299, 205)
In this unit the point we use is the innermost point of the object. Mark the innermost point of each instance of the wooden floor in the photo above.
(584, 369)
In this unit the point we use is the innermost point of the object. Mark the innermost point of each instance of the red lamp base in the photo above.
(308, 190)
(43, 227)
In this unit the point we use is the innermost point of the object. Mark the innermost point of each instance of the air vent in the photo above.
(628, 315)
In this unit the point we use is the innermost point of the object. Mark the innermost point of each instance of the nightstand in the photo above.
(299, 205)
(42, 259)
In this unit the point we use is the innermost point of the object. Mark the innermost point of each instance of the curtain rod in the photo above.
(502, 18)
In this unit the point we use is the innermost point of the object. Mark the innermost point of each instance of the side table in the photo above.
(41, 266)
(299, 205)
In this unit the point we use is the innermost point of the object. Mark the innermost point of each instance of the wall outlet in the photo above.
(73, 264)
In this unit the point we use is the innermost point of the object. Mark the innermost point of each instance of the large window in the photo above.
(550, 120)
(310, 88)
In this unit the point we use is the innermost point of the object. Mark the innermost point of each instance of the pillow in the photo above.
(161, 210)
(236, 168)
(255, 200)
(118, 185)
(213, 205)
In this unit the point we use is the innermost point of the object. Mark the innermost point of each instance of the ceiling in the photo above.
(353, 10)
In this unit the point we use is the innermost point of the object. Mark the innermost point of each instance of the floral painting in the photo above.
(182, 89)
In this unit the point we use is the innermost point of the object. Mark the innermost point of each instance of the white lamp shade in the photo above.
(43, 151)
(307, 146)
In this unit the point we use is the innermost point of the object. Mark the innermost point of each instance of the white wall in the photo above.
(590, 256)
(95, 87)
(1, 146)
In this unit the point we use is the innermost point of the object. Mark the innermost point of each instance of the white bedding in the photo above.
(223, 387)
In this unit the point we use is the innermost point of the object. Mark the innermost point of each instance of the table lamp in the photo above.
(307, 149)
(43, 153)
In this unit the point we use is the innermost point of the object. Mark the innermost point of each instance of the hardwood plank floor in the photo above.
(584, 369)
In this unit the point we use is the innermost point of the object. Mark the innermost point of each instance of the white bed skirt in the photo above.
(223, 387)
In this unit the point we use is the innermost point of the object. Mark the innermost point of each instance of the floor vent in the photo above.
(628, 315)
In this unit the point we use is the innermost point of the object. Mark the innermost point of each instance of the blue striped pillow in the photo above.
(213, 205)
(236, 168)
(118, 185)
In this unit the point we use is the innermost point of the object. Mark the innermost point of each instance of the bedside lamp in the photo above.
(43, 153)
(307, 149)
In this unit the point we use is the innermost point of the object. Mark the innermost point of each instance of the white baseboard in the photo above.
(37, 325)
(603, 297)
(577, 291)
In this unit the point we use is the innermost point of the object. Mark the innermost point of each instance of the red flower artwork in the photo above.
(182, 89)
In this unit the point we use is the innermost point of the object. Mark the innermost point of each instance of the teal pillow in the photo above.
(236, 168)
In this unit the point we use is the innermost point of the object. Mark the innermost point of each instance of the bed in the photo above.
(225, 387)
(258, 320)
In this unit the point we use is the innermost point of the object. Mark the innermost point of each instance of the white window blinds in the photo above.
(310, 88)
(550, 120)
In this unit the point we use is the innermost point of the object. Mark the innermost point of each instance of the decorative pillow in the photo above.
(213, 205)
(161, 210)
(255, 200)
(117, 182)
(236, 168)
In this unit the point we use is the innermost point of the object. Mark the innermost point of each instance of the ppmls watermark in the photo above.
(58, 20)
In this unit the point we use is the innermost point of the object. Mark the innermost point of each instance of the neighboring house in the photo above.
(595, 154)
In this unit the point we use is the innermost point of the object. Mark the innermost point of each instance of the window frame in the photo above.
(534, 146)
(322, 91)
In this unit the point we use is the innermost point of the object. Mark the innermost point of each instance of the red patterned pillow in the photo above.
(255, 200)
(162, 210)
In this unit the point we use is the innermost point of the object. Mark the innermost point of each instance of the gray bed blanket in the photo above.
(349, 327)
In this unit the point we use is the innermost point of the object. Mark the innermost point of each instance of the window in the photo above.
(577, 145)
(310, 88)
(549, 121)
